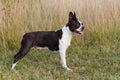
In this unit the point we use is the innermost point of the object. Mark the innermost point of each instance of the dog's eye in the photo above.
(78, 25)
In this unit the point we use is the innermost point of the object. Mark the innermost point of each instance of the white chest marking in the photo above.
(65, 41)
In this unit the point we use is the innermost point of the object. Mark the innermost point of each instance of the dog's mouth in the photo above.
(79, 32)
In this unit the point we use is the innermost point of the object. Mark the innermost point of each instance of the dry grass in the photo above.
(101, 18)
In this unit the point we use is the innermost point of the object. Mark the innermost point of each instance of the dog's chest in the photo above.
(65, 41)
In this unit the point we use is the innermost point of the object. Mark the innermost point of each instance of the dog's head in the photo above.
(74, 24)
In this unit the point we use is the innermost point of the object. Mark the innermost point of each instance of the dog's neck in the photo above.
(67, 31)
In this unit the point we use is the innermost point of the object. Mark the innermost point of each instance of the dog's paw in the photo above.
(68, 69)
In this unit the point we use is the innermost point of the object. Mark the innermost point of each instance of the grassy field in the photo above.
(92, 56)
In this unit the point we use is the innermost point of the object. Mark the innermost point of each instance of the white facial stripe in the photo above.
(80, 27)
(79, 21)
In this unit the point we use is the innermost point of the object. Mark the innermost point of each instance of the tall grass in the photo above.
(100, 17)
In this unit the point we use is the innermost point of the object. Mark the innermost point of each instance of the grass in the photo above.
(87, 64)
(92, 56)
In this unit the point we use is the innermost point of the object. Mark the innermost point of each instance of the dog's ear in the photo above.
(74, 15)
(71, 16)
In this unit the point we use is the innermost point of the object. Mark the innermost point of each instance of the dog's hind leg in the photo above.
(25, 47)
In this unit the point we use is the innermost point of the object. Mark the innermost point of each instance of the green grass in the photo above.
(86, 63)
(92, 56)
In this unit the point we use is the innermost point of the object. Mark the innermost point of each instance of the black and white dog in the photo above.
(54, 40)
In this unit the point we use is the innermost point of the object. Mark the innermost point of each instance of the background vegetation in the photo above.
(92, 56)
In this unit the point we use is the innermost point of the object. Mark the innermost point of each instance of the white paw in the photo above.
(68, 69)
(13, 66)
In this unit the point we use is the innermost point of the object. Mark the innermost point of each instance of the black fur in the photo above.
(49, 39)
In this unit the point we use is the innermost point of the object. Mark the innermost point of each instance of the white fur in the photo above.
(36, 47)
(66, 37)
(64, 43)
(13, 66)
(80, 28)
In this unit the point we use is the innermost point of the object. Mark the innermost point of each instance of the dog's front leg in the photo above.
(63, 59)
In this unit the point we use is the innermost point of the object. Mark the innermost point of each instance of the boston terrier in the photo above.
(58, 40)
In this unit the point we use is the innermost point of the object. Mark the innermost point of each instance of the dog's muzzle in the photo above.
(80, 30)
